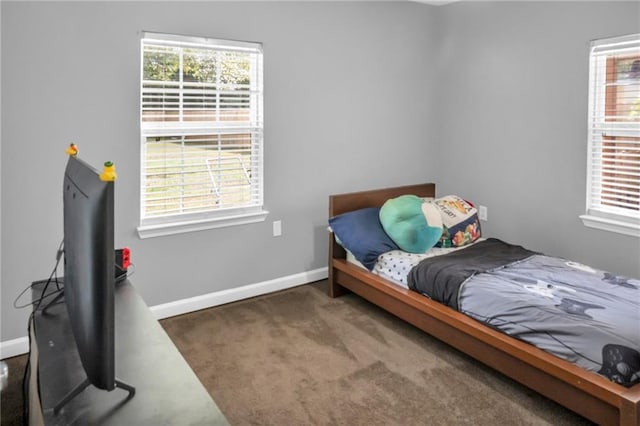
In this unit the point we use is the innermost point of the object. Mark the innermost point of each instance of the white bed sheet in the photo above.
(396, 264)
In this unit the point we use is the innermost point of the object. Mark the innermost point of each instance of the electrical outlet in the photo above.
(483, 213)
(277, 228)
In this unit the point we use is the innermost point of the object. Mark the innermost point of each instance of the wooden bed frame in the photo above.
(584, 392)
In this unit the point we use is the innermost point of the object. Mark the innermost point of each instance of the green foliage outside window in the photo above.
(198, 65)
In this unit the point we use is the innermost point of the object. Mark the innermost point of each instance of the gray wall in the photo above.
(346, 90)
(488, 100)
(513, 120)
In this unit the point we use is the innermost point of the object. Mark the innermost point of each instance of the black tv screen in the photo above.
(89, 260)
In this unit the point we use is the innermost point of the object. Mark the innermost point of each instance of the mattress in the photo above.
(396, 264)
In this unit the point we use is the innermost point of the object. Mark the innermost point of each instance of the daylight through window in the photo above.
(613, 193)
(201, 130)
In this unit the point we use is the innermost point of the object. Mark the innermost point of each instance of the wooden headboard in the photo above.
(342, 203)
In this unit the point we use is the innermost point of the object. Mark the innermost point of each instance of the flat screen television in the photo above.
(89, 277)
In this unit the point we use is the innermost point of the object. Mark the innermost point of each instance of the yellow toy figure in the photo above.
(72, 150)
(109, 172)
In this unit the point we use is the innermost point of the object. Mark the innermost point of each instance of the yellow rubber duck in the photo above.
(72, 150)
(109, 172)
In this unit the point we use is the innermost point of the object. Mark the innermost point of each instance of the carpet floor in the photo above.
(298, 357)
(11, 402)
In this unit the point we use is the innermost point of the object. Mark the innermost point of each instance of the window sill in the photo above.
(163, 229)
(612, 225)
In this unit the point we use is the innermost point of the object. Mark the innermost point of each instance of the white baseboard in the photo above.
(19, 346)
(15, 347)
(217, 298)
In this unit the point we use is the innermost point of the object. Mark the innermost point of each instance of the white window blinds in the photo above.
(201, 126)
(613, 188)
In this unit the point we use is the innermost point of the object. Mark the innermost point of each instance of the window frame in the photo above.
(174, 223)
(597, 215)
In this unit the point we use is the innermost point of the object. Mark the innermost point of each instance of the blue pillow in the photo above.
(361, 232)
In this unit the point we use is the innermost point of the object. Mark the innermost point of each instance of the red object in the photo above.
(126, 258)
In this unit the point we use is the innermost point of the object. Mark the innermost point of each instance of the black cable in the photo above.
(43, 296)
(53, 273)
(52, 277)
(31, 323)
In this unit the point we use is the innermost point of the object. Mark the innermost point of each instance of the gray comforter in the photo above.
(583, 315)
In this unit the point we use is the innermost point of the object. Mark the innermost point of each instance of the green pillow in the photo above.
(413, 224)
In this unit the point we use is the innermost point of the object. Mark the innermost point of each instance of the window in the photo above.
(613, 182)
(201, 134)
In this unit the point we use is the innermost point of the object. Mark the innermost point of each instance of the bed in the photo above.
(589, 394)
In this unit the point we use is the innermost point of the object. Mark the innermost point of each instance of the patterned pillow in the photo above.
(460, 221)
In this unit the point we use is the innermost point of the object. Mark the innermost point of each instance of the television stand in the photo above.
(166, 390)
(82, 386)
